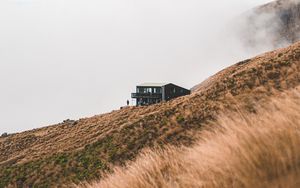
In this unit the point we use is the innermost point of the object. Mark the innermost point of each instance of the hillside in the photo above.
(241, 150)
(273, 25)
(73, 151)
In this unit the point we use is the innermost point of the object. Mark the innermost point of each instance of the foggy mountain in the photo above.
(85, 149)
(274, 25)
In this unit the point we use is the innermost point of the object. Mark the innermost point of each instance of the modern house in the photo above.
(152, 93)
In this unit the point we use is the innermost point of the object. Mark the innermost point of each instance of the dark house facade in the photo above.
(152, 93)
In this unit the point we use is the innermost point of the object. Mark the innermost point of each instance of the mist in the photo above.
(69, 59)
(268, 27)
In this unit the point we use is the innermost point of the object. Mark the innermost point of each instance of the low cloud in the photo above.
(272, 26)
(63, 59)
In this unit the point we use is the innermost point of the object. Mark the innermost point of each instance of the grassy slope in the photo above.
(81, 150)
(248, 150)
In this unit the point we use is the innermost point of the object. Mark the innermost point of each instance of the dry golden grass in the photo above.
(76, 151)
(241, 150)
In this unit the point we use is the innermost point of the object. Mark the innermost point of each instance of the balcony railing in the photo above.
(146, 95)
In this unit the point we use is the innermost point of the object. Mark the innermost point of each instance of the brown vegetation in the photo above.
(74, 151)
(241, 150)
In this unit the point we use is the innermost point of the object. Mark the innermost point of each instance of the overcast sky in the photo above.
(63, 59)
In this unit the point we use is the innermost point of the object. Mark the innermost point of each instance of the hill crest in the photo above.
(74, 151)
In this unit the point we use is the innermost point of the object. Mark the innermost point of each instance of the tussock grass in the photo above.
(76, 151)
(240, 150)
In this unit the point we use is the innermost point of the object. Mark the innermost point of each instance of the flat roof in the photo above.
(152, 84)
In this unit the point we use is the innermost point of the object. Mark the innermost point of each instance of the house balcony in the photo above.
(146, 95)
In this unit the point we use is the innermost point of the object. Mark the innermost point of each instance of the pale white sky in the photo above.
(63, 59)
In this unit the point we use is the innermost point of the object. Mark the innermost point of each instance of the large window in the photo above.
(157, 90)
(142, 90)
(148, 90)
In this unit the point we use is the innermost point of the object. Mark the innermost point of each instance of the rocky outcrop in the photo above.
(270, 26)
